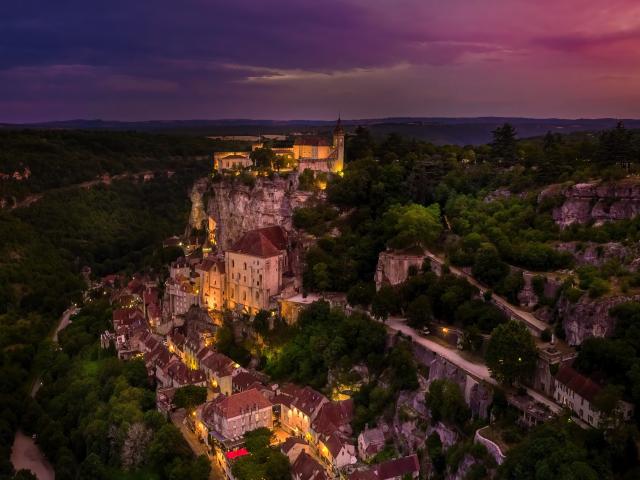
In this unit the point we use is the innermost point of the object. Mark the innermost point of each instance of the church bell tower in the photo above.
(338, 145)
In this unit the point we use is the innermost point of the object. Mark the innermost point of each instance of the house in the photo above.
(578, 393)
(245, 381)
(299, 407)
(254, 267)
(397, 469)
(176, 374)
(213, 282)
(164, 400)
(306, 467)
(293, 447)
(228, 418)
(231, 161)
(337, 450)
(370, 442)
(218, 368)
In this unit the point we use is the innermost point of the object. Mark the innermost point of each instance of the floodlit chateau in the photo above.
(315, 153)
(247, 278)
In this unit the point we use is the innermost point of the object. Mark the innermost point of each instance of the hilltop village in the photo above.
(212, 325)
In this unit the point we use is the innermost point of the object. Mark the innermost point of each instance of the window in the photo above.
(244, 295)
(245, 265)
(233, 263)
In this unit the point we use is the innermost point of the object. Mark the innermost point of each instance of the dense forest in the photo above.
(119, 227)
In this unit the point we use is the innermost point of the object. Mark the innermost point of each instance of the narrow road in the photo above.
(476, 370)
(198, 448)
(535, 325)
(25, 453)
(102, 180)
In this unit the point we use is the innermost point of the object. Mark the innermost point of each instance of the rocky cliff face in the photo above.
(234, 208)
(596, 202)
(589, 317)
(198, 214)
(589, 253)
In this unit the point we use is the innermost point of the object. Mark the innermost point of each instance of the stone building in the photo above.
(254, 269)
(228, 418)
(578, 393)
(213, 282)
(231, 160)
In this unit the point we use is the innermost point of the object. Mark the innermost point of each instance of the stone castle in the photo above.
(315, 153)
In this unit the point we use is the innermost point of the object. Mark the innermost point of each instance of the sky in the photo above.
(314, 59)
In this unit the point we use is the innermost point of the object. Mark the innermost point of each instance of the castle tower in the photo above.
(338, 145)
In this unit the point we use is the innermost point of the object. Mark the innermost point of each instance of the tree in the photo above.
(503, 145)
(321, 277)
(134, 446)
(263, 158)
(190, 397)
(413, 225)
(446, 402)
(616, 147)
(488, 266)
(419, 312)
(264, 461)
(511, 353)
(361, 294)
(384, 303)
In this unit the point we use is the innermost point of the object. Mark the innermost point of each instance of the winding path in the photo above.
(535, 325)
(25, 452)
(477, 370)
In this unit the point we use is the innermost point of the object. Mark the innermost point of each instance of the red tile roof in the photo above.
(306, 468)
(578, 383)
(389, 469)
(264, 242)
(334, 416)
(239, 403)
(312, 141)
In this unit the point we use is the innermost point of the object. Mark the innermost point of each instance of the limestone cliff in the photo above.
(198, 214)
(596, 202)
(589, 317)
(234, 208)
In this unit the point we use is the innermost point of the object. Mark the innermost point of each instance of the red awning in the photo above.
(237, 453)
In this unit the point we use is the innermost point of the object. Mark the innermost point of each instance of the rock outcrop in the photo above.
(596, 254)
(198, 214)
(596, 202)
(589, 317)
(235, 208)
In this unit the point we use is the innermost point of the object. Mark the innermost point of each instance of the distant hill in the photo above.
(439, 130)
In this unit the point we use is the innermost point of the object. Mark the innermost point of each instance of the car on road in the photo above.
(424, 331)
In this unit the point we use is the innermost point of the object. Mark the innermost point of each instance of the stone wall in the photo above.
(493, 449)
(477, 395)
(393, 267)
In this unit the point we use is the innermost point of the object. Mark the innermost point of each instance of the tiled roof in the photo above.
(312, 141)
(264, 242)
(218, 363)
(244, 380)
(389, 469)
(239, 403)
(578, 383)
(398, 467)
(307, 400)
(306, 468)
(334, 416)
